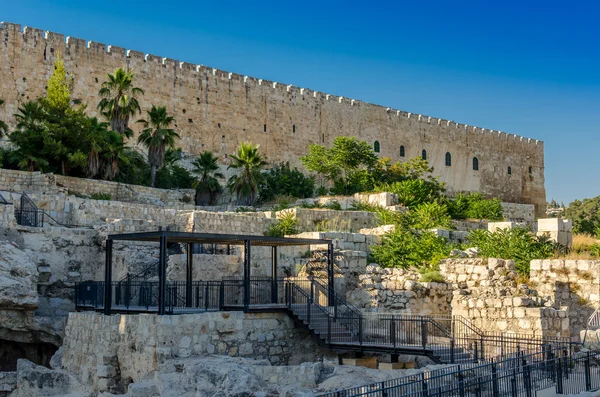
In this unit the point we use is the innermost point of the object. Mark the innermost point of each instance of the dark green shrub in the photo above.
(100, 196)
(475, 206)
(281, 180)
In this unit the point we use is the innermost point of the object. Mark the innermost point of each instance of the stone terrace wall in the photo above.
(399, 290)
(519, 212)
(22, 181)
(135, 217)
(134, 345)
(486, 292)
(332, 220)
(572, 283)
(125, 192)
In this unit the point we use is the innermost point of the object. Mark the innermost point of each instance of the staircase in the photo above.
(341, 327)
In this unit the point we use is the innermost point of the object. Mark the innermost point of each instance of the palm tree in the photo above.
(249, 163)
(157, 137)
(119, 100)
(207, 186)
(3, 126)
(29, 137)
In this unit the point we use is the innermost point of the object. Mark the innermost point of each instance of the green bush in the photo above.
(281, 180)
(333, 205)
(431, 215)
(413, 192)
(285, 225)
(100, 196)
(475, 206)
(517, 243)
(432, 276)
(174, 177)
(410, 248)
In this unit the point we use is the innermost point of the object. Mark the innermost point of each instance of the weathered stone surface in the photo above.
(34, 380)
(18, 279)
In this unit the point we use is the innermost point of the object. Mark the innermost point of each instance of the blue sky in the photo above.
(530, 68)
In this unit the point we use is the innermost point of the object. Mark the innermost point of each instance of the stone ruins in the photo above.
(48, 345)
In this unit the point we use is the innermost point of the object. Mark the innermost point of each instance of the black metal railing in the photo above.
(28, 214)
(522, 375)
(325, 314)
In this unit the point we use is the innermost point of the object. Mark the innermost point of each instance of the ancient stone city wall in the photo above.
(216, 110)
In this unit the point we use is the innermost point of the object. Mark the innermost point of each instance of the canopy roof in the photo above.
(215, 238)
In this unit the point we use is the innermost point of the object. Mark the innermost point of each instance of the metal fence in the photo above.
(515, 377)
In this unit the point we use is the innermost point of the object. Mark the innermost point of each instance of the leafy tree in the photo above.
(347, 164)
(585, 215)
(207, 186)
(58, 95)
(282, 180)
(249, 163)
(3, 126)
(157, 136)
(518, 244)
(120, 100)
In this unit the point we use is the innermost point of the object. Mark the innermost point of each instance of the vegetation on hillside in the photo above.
(52, 134)
(518, 244)
(585, 215)
(282, 180)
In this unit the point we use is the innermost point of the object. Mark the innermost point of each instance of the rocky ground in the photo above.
(215, 376)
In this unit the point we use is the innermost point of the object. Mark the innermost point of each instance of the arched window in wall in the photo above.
(448, 159)
(475, 164)
(376, 147)
(402, 151)
(509, 171)
(424, 154)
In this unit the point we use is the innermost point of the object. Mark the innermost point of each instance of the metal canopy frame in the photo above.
(247, 241)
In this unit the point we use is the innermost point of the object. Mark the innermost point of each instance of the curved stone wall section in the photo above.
(216, 110)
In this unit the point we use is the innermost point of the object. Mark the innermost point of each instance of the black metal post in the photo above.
(393, 332)
(108, 278)
(588, 375)
(425, 392)
(559, 377)
(246, 275)
(162, 275)
(274, 274)
(495, 388)
(189, 275)
(330, 275)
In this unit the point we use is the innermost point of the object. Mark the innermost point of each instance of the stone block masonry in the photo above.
(135, 345)
(572, 283)
(216, 110)
(486, 292)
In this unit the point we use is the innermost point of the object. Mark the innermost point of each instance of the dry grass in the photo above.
(581, 247)
(581, 242)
